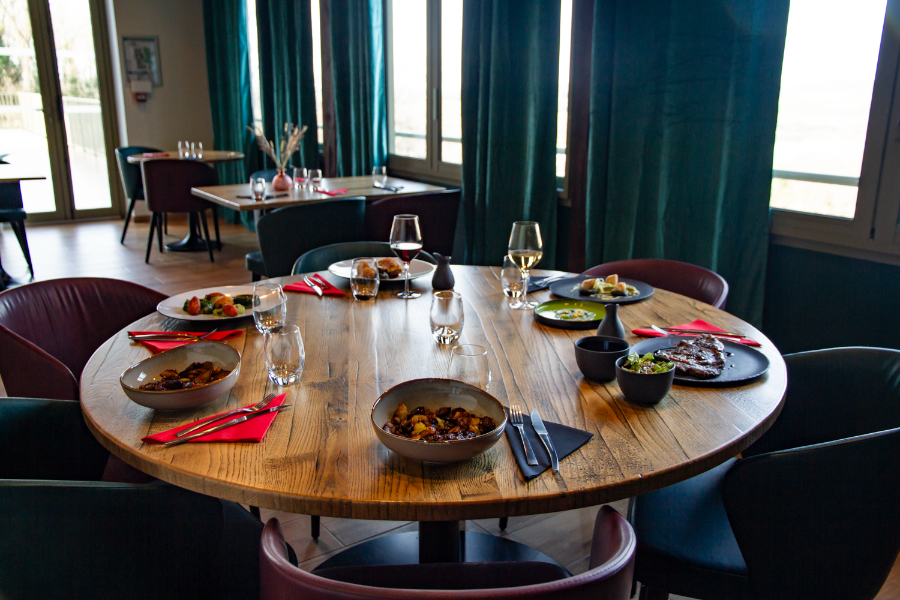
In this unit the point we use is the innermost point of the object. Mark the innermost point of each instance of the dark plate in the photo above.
(743, 364)
(545, 313)
(563, 289)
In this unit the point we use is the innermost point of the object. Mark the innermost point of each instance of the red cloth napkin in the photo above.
(331, 192)
(698, 324)
(156, 154)
(249, 431)
(327, 288)
(163, 346)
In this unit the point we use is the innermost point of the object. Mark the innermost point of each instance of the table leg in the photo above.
(194, 242)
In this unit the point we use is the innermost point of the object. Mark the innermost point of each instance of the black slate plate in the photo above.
(742, 365)
(563, 289)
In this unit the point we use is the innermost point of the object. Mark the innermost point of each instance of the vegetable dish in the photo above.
(196, 375)
(218, 305)
(444, 425)
(610, 286)
(646, 364)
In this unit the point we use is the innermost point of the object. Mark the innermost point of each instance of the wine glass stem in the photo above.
(525, 277)
(405, 279)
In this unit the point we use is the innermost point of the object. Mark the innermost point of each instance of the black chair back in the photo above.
(168, 183)
(437, 213)
(286, 233)
(319, 259)
(130, 173)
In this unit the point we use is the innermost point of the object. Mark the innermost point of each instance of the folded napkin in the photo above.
(536, 284)
(331, 192)
(327, 288)
(156, 154)
(565, 439)
(163, 346)
(249, 431)
(698, 324)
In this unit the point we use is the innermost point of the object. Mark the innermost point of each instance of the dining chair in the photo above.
(319, 259)
(286, 233)
(679, 277)
(811, 510)
(609, 577)
(167, 188)
(132, 182)
(437, 213)
(12, 211)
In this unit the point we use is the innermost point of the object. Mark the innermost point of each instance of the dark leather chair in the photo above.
(812, 510)
(319, 259)
(609, 577)
(437, 213)
(167, 188)
(286, 233)
(132, 182)
(682, 278)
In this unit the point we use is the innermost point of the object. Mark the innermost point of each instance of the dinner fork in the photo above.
(515, 418)
(258, 406)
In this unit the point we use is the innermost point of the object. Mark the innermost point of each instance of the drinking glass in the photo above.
(197, 150)
(469, 364)
(512, 281)
(182, 149)
(258, 188)
(446, 316)
(406, 241)
(269, 305)
(300, 177)
(364, 278)
(525, 251)
(315, 179)
(379, 176)
(284, 354)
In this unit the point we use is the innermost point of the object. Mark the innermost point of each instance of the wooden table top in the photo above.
(14, 174)
(322, 456)
(227, 195)
(209, 156)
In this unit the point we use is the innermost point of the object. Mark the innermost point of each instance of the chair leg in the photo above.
(159, 233)
(19, 229)
(651, 594)
(504, 521)
(314, 526)
(202, 218)
(131, 202)
(216, 225)
(255, 276)
(166, 223)
(150, 239)
(254, 510)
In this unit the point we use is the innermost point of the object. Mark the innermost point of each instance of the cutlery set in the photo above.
(251, 415)
(174, 336)
(515, 419)
(317, 284)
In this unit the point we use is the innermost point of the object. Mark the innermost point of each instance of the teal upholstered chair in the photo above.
(318, 259)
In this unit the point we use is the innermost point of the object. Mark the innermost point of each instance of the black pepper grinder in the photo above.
(443, 276)
(611, 325)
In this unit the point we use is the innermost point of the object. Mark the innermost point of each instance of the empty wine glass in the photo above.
(406, 242)
(447, 316)
(512, 281)
(183, 149)
(525, 250)
(379, 177)
(269, 305)
(258, 188)
(469, 364)
(315, 179)
(284, 354)
(196, 149)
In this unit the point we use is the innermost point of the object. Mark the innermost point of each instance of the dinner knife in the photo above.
(538, 425)
(315, 288)
(225, 425)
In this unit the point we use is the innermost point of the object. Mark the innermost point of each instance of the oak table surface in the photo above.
(227, 195)
(322, 456)
(208, 156)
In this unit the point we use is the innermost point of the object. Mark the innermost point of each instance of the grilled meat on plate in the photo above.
(703, 357)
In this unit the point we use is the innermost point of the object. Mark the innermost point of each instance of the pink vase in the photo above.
(282, 182)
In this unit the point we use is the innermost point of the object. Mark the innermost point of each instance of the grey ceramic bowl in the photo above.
(221, 355)
(433, 394)
(596, 356)
(643, 388)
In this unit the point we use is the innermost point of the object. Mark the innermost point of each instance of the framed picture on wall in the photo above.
(141, 56)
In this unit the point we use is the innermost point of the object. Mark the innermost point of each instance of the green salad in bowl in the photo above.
(646, 364)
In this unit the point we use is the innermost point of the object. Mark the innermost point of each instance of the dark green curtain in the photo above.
(287, 86)
(510, 76)
(684, 99)
(228, 70)
(357, 70)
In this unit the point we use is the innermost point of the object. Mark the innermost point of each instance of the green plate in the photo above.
(546, 313)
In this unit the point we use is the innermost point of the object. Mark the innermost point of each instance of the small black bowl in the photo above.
(596, 356)
(643, 388)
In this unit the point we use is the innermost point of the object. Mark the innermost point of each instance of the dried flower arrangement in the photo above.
(289, 143)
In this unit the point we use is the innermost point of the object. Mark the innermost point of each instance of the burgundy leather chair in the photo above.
(49, 330)
(437, 218)
(167, 188)
(609, 577)
(682, 278)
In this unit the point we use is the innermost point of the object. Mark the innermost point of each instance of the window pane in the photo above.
(562, 119)
(253, 51)
(317, 68)
(451, 81)
(830, 58)
(409, 71)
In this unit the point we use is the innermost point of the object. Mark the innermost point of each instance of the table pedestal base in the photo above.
(194, 241)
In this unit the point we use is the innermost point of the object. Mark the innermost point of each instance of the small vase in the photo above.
(282, 182)
(443, 276)
(611, 325)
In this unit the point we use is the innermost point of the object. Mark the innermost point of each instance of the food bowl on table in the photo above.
(178, 359)
(644, 388)
(596, 356)
(434, 394)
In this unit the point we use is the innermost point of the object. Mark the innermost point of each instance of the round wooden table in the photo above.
(322, 457)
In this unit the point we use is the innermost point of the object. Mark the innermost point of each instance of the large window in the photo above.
(834, 181)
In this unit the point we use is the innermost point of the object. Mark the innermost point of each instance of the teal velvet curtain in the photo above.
(357, 70)
(510, 76)
(287, 87)
(684, 100)
(228, 70)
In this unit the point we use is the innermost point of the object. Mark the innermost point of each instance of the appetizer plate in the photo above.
(417, 268)
(571, 289)
(173, 306)
(550, 313)
(742, 363)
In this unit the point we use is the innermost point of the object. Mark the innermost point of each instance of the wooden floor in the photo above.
(93, 249)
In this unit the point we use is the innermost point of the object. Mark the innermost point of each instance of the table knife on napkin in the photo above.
(538, 425)
(225, 425)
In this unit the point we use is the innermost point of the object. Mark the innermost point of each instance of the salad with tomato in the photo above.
(217, 304)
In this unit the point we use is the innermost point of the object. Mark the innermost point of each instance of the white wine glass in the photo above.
(525, 250)
(406, 242)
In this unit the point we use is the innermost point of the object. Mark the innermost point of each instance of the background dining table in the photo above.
(323, 458)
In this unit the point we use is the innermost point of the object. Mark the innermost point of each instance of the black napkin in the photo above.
(565, 439)
(536, 284)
